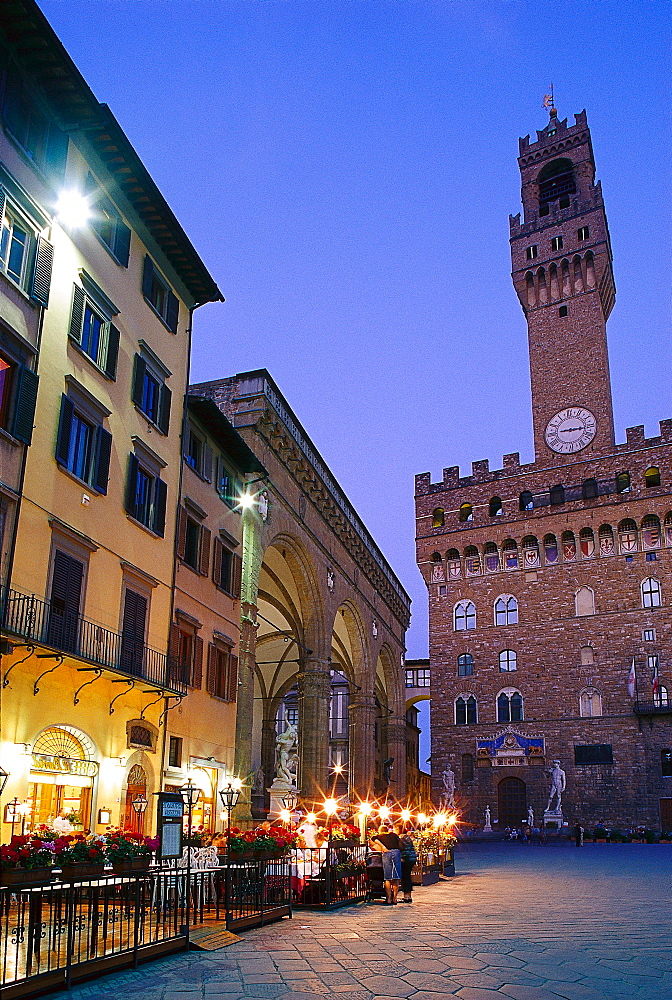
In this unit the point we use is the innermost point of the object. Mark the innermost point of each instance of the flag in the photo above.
(631, 679)
(655, 679)
(548, 101)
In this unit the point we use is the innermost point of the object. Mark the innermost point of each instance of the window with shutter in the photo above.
(25, 256)
(83, 447)
(92, 330)
(134, 622)
(157, 293)
(146, 496)
(25, 400)
(149, 392)
(64, 604)
(107, 224)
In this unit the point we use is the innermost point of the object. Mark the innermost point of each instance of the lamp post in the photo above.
(289, 801)
(13, 811)
(190, 796)
(330, 807)
(337, 771)
(229, 796)
(139, 804)
(365, 809)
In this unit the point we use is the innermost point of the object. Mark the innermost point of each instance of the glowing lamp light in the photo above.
(237, 784)
(422, 818)
(384, 812)
(439, 821)
(285, 815)
(246, 500)
(311, 818)
(72, 209)
(330, 806)
(365, 809)
(405, 815)
(451, 820)
(338, 769)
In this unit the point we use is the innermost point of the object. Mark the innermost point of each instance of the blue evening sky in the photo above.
(346, 169)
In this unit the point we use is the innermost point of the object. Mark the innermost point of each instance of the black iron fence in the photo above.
(53, 933)
(330, 876)
(44, 621)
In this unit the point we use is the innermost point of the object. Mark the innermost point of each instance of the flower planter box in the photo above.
(25, 876)
(343, 843)
(243, 855)
(136, 865)
(82, 871)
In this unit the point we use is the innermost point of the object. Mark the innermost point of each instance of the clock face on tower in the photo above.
(570, 430)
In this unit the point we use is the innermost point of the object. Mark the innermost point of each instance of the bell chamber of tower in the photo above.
(562, 272)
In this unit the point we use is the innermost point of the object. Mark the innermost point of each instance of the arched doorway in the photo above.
(512, 802)
(62, 773)
(135, 786)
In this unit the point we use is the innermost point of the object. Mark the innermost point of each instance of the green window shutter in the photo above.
(101, 469)
(3, 201)
(164, 409)
(172, 312)
(147, 277)
(139, 368)
(77, 316)
(56, 153)
(122, 243)
(112, 351)
(131, 485)
(42, 266)
(160, 495)
(64, 428)
(24, 406)
(206, 470)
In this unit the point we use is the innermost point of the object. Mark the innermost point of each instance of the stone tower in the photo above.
(562, 272)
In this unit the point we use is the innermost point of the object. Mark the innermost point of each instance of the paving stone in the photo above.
(388, 986)
(486, 980)
(501, 961)
(426, 981)
(474, 993)
(447, 990)
(564, 973)
(527, 992)
(576, 991)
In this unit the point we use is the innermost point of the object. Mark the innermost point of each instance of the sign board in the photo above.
(169, 825)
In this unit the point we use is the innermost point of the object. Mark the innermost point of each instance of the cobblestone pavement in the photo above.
(518, 922)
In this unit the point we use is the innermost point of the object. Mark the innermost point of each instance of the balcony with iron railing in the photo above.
(661, 707)
(43, 622)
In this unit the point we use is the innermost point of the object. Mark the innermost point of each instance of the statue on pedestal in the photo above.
(488, 827)
(558, 784)
(287, 756)
(530, 817)
(448, 794)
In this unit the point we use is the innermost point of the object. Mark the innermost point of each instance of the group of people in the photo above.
(526, 834)
(397, 858)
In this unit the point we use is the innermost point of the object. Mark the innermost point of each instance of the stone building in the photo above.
(323, 616)
(550, 626)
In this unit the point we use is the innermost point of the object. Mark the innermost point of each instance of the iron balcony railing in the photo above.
(43, 621)
(653, 707)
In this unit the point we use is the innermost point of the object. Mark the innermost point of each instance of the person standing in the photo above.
(389, 845)
(408, 860)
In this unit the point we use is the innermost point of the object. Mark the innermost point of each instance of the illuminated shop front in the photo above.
(61, 779)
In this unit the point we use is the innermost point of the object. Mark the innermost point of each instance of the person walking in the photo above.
(389, 845)
(578, 834)
(408, 860)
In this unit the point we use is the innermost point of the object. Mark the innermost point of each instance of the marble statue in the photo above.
(387, 770)
(448, 793)
(530, 817)
(558, 784)
(287, 757)
(488, 826)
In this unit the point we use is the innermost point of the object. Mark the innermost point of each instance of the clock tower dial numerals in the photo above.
(570, 430)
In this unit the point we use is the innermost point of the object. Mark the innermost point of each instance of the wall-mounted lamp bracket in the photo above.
(127, 691)
(98, 671)
(47, 656)
(149, 704)
(169, 708)
(31, 650)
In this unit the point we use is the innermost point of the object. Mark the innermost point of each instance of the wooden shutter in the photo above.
(132, 484)
(164, 409)
(205, 551)
(206, 465)
(77, 315)
(3, 202)
(172, 312)
(66, 582)
(41, 280)
(197, 665)
(236, 571)
(181, 533)
(232, 678)
(211, 679)
(217, 561)
(122, 243)
(160, 497)
(112, 351)
(24, 406)
(147, 278)
(175, 672)
(64, 429)
(139, 368)
(56, 153)
(101, 467)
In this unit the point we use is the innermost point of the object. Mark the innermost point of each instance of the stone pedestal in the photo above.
(553, 816)
(277, 791)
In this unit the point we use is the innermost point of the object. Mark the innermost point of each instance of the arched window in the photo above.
(587, 655)
(623, 482)
(438, 517)
(466, 711)
(589, 489)
(464, 616)
(627, 535)
(550, 549)
(590, 703)
(510, 554)
(557, 494)
(465, 665)
(652, 476)
(509, 706)
(531, 552)
(661, 698)
(587, 543)
(556, 184)
(467, 767)
(650, 532)
(526, 501)
(668, 528)
(606, 536)
(651, 594)
(495, 507)
(568, 546)
(491, 557)
(584, 601)
(454, 564)
(508, 661)
(506, 610)
(466, 512)
(472, 561)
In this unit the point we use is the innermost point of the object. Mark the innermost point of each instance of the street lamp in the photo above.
(229, 796)
(139, 804)
(13, 811)
(423, 819)
(290, 799)
(365, 809)
(384, 812)
(405, 815)
(190, 795)
(330, 807)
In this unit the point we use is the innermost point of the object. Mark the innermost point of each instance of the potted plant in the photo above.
(26, 860)
(344, 835)
(127, 851)
(80, 856)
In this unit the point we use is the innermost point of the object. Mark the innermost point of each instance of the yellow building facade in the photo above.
(98, 284)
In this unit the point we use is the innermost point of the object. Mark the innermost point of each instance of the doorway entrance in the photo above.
(136, 785)
(666, 814)
(512, 802)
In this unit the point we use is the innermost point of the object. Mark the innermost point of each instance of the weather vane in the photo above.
(548, 101)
